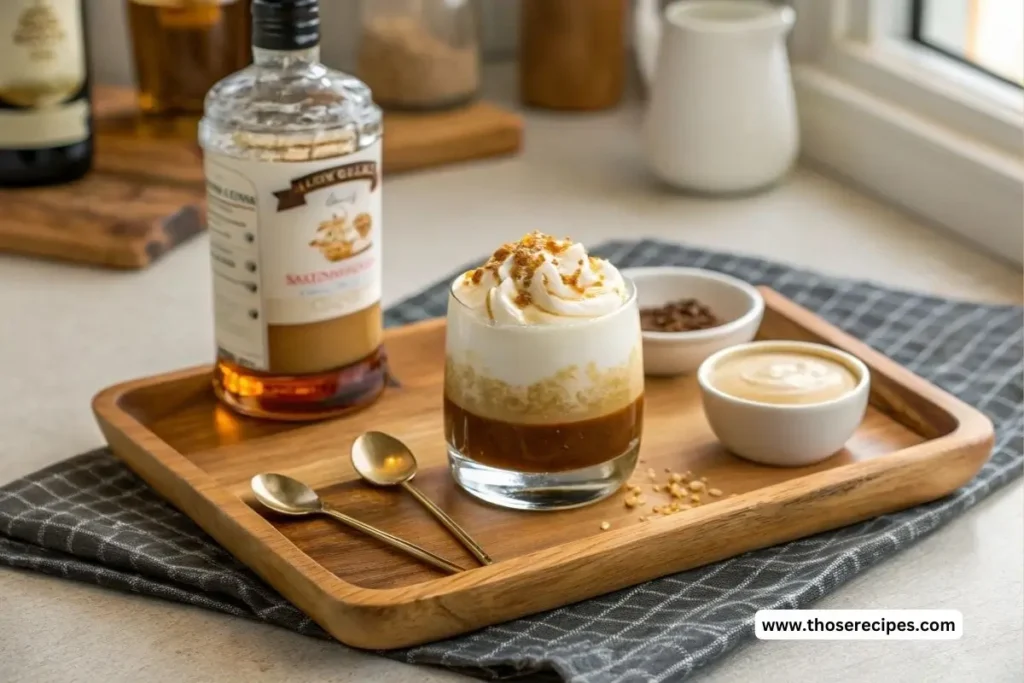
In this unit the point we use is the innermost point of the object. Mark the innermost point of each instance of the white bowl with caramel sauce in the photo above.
(784, 403)
(737, 306)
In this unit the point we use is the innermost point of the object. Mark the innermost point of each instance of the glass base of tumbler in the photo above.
(545, 490)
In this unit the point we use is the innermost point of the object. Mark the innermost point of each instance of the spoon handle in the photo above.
(449, 524)
(393, 541)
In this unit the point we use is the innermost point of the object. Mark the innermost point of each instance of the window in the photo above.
(920, 102)
(987, 34)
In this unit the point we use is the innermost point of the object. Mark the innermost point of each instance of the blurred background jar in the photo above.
(420, 54)
(183, 47)
(572, 53)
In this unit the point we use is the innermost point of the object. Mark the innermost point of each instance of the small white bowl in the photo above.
(785, 435)
(680, 353)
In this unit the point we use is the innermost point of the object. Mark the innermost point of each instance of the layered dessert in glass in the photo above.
(544, 382)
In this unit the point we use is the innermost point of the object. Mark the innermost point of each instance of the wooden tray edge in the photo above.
(399, 617)
(197, 494)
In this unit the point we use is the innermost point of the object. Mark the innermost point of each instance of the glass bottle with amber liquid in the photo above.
(45, 119)
(293, 169)
(183, 47)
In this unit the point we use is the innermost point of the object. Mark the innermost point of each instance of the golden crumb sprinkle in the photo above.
(555, 246)
(605, 526)
(498, 257)
(526, 255)
(680, 493)
(574, 280)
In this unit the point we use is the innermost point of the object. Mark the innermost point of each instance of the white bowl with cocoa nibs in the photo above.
(689, 314)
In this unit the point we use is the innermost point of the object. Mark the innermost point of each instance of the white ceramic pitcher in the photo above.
(722, 115)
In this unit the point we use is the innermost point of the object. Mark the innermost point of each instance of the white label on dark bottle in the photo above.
(42, 74)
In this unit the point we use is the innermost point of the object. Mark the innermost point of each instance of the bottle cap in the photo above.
(285, 24)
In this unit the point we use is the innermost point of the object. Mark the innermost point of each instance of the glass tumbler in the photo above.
(543, 417)
(420, 54)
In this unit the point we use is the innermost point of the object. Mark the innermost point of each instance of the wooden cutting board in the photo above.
(916, 443)
(145, 194)
(142, 198)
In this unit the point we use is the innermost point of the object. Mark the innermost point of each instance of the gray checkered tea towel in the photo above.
(91, 519)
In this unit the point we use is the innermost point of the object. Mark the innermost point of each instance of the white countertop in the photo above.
(69, 331)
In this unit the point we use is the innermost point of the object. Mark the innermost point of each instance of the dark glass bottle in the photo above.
(45, 110)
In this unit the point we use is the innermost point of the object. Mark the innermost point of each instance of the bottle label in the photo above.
(290, 244)
(42, 74)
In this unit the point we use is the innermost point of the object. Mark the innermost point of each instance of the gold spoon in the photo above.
(291, 497)
(383, 460)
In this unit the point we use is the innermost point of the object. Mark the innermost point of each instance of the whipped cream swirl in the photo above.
(542, 280)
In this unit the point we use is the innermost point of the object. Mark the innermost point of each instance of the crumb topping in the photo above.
(682, 489)
(571, 285)
(527, 255)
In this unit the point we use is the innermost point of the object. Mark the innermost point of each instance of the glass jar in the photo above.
(183, 47)
(420, 54)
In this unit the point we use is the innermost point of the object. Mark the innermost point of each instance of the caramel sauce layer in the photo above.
(543, 447)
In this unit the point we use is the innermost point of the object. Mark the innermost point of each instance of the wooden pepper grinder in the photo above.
(572, 53)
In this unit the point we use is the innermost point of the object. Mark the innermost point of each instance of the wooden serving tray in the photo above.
(916, 444)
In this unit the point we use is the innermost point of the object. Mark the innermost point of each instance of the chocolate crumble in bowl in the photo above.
(684, 315)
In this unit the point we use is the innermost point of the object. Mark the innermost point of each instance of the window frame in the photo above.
(917, 12)
(902, 107)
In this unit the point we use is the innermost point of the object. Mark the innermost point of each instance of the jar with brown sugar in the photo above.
(420, 54)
